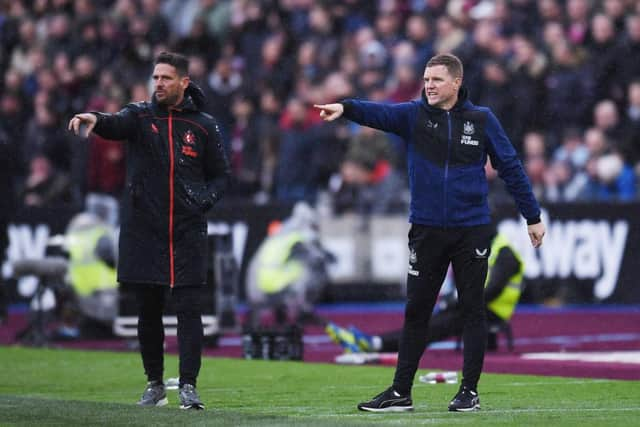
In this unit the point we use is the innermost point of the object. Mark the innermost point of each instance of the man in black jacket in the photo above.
(8, 162)
(176, 171)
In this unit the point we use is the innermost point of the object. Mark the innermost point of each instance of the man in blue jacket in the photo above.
(447, 140)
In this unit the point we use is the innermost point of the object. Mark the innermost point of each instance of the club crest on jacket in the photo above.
(189, 137)
(468, 128)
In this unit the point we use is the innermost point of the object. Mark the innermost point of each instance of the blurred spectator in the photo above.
(58, 30)
(197, 41)
(541, 65)
(563, 183)
(275, 69)
(628, 50)
(607, 119)
(596, 142)
(296, 174)
(13, 116)
(405, 84)
(217, 14)
(44, 136)
(112, 43)
(603, 58)
(572, 150)
(369, 184)
(536, 167)
(387, 28)
(631, 143)
(180, 14)
(528, 68)
(223, 83)
(615, 9)
(609, 179)
(28, 37)
(495, 92)
(137, 53)
(578, 12)
(449, 36)
(245, 156)
(106, 160)
(534, 145)
(550, 10)
(419, 34)
(569, 90)
(45, 185)
(158, 23)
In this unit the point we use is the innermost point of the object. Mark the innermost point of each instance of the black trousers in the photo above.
(186, 302)
(431, 251)
(4, 244)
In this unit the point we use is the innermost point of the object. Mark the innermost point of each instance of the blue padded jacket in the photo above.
(446, 154)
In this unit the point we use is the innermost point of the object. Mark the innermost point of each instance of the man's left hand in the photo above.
(536, 233)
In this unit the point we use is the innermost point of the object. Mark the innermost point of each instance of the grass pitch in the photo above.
(46, 387)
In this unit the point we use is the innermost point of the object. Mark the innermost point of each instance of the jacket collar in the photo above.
(462, 103)
(187, 104)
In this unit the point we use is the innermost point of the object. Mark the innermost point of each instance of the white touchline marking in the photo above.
(565, 409)
(632, 357)
(560, 382)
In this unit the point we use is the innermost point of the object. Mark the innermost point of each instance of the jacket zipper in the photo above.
(171, 172)
(446, 169)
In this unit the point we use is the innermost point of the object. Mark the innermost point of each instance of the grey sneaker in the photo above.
(154, 395)
(189, 398)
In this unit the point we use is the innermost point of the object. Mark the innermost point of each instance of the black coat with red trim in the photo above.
(176, 171)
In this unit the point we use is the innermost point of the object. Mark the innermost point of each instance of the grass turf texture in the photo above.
(44, 387)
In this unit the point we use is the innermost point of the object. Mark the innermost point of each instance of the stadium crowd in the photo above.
(562, 76)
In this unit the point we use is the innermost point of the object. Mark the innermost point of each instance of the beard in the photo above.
(168, 100)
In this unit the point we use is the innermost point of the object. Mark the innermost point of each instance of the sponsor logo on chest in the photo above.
(468, 130)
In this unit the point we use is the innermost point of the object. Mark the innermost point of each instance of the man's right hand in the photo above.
(79, 121)
(330, 112)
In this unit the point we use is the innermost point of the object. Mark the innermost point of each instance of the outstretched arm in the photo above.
(82, 124)
(330, 112)
(394, 118)
(119, 126)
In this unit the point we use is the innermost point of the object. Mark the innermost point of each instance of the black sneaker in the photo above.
(466, 400)
(189, 398)
(388, 401)
(154, 395)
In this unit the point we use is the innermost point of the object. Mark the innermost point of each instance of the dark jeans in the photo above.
(432, 249)
(151, 303)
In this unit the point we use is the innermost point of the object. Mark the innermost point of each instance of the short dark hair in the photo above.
(179, 62)
(449, 60)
